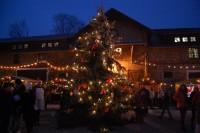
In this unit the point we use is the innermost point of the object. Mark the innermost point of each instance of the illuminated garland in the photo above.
(74, 67)
(77, 68)
(170, 66)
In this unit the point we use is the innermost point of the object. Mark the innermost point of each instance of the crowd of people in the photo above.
(20, 104)
(146, 98)
(183, 102)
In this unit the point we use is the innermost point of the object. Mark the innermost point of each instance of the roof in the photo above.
(165, 37)
(114, 15)
(36, 43)
(158, 37)
(176, 31)
(35, 38)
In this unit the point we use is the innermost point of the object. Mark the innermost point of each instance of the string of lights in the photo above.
(77, 68)
(169, 66)
(74, 67)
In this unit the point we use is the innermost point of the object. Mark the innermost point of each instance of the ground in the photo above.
(152, 124)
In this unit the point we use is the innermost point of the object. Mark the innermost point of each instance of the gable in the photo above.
(127, 29)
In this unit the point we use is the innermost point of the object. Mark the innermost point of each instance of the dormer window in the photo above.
(49, 44)
(185, 39)
(192, 39)
(177, 39)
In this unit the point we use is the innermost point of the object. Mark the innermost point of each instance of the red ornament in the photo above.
(94, 46)
(71, 93)
(109, 80)
(103, 92)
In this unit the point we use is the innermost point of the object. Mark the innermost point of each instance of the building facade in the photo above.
(169, 55)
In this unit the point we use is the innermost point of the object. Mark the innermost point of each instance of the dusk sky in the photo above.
(38, 14)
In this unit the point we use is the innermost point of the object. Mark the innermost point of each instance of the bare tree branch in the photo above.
(66, 24)
(18, 30)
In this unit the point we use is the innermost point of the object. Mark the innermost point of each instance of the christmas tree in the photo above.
(101, 83)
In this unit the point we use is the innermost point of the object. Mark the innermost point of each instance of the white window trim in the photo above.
(193, 39)
(193, 53)
(185, 39)
(177, 39)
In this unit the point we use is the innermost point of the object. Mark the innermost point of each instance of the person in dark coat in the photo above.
(193, 106)
(165, 104)
(196, 106)
(28, 108)
(5, 107)
(182, 103)
(142, 102)
(18, 102)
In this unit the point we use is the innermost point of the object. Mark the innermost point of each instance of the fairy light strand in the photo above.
(76, 67)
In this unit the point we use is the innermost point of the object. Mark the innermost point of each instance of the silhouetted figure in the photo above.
(28, 108)
(195, 100)
(18, 102)
(193, 106)
(181, 102)
(5, 107)
(166, 104)
(152, 97)
(142, 102)
(160, 97)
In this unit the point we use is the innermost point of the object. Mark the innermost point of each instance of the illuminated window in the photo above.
(56, 44)
(25, 46)
(190, 53)
(43, 45)
(50, 44)
(193, 53)
(177, 39)
(196, 54)
(193, 39)
(118, 51)
(184, 39)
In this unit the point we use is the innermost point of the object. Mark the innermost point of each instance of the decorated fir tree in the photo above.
(102, 87)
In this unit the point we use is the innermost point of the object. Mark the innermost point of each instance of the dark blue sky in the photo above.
(155, 14)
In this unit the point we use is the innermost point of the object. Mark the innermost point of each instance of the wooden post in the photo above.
(145, 67)
(146, 64)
